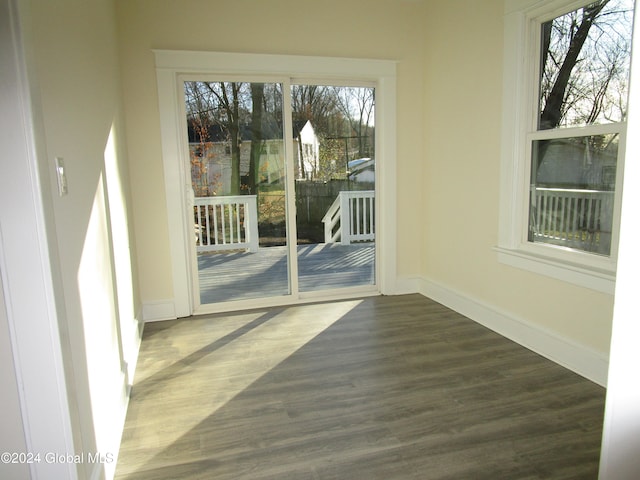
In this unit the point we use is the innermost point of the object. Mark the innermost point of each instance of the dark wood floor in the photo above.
(379, 388)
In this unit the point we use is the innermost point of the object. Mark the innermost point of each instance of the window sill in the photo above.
(596, 279)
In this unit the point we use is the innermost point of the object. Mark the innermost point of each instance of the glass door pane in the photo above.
(237, 155)
(334, 158)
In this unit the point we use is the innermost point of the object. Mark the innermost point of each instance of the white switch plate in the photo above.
(62, 177)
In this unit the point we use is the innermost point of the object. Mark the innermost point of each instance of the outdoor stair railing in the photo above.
(351, 218)
(572, 218)
(226, 223)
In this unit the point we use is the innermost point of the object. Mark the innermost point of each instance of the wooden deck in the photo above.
(245, 275)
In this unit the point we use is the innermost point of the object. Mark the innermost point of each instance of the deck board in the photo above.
(245, 275)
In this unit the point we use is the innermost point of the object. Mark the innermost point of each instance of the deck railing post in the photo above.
(327, 231)
(330, 220)
(251, 223)
(345, 218)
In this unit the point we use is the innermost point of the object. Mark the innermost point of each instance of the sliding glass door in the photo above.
(238, 177)
(271, 162)
(334, 138)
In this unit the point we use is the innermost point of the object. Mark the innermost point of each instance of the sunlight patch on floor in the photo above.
(238, 356)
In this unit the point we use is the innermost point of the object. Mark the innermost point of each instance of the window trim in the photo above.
(519, 112)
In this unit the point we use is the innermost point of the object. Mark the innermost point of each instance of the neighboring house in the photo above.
(571, 165)
(215, 157)
(362, 170)
(308, 147)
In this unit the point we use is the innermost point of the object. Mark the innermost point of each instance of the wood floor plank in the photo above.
(384, 387)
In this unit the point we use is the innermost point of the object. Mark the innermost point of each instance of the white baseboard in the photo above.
(158, 310)
(578, 358)
(136, 335)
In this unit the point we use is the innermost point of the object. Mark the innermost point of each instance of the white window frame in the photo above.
(173, 65)
(523, 19)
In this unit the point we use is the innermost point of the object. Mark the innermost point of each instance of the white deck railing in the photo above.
(226, 223)
(572, 217)
(351, 218)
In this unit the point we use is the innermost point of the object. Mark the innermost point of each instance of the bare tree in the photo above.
(357, 105)
(585, 58)
(227, 95)
(340, 115)
(222, 105)
(315, 103)
(257, 98)
(584, 69)
(198, 126)
(318, 105)
(343, 120)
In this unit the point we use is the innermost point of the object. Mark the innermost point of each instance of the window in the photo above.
(563, 137)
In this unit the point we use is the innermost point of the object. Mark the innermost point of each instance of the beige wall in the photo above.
(73, 52)
(380, 29)
(448, 155)
(462, 158)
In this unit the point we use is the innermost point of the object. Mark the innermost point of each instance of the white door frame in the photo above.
(170, 65)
